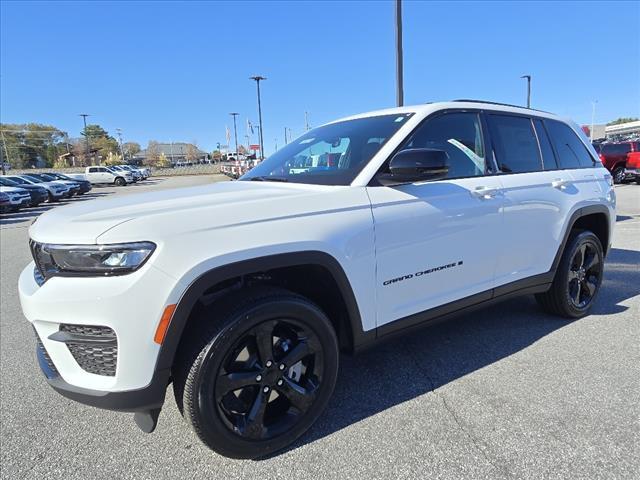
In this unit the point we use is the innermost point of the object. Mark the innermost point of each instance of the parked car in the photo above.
(55, 190)
(38, 194)
(104, 175)
(632, 167)
(18, 198)
(614, 157)
(85, 185)
(243, 293)
(143, 172)
(74, 187)
(5, 202)
(137, 176)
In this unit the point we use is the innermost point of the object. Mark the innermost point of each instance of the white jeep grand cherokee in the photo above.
(242, 293)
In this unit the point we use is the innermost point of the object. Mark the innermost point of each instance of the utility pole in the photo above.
(285, 136)
(528, 77)
(306, 121)
(235, 130)
(399, 70)
(86, 135)
(257, 78)
(276, 141)
(593, 119)
(119, 131)
(6, 153)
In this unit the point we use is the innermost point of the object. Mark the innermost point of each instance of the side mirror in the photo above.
(416, 165)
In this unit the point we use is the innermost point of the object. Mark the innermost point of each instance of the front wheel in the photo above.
(120, 182)
(258, 374)
(578, 278)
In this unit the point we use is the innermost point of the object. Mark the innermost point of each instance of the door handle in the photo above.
(560, 184)
(485, 193)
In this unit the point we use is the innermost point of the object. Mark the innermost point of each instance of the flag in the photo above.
(228, 134)
(249, 126)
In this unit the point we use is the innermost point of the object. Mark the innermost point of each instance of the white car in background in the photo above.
(104, 175)
(55, 189)
(18, 198)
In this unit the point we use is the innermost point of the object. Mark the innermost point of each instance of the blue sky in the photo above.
(173, 71)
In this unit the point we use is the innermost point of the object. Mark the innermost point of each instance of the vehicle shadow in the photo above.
(413, 365)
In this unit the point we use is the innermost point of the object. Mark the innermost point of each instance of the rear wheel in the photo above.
(618, 174)
(258, 373)
(578, 278)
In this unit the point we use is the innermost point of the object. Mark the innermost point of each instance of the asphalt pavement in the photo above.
(505, 392)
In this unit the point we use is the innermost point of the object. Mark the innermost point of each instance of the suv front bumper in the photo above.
(129, 305)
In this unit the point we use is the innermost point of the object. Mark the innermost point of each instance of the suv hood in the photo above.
(151, 214)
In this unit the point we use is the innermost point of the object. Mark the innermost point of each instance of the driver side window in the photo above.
(459, 134)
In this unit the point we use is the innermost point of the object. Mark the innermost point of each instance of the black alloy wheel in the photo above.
(269, 379)
(584, 275)
(578, 277)
(256, 372)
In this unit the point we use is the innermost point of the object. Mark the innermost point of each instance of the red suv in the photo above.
(614, 157)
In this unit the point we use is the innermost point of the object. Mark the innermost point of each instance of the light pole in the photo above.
(86, 134)
(235, 130)
(528, 77)
(257, 78)
(399, 73)
(593, 118)
(306, 121)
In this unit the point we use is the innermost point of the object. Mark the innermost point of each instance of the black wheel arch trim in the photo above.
(219, 274)
(581, 212)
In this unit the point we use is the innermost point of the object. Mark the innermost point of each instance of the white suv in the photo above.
(243, 293)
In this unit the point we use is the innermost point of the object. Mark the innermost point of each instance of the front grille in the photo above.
(94, 348)
(44, 359)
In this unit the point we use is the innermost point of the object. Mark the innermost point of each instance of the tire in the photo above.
(220, 408)
(52, 198)
(577, 282)
(120, 182)
(618, 174)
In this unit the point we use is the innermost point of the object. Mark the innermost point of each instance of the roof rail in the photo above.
(496, 103)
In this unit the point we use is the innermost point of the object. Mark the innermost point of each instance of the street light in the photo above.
(86, 135)
(257, 78)
(235, 130)
(399, 73)
(528, 77)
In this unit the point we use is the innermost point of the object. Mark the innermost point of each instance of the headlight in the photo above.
(90, 260)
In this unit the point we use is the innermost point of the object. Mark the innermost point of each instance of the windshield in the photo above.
(19, 181)
(32, 179)
(7, 183)
(44, 177)
(330, 155)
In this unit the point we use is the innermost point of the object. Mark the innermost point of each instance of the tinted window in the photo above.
(571, 151)
(515, 143)
(548, 158)
(616, 148)
(93, 170)
(458, 134)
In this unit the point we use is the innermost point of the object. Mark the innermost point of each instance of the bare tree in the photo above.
(153, 153)
(191, 154)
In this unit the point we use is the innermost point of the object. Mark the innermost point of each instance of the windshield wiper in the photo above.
(268, 178)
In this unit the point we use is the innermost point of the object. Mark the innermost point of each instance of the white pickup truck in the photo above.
(97, 175)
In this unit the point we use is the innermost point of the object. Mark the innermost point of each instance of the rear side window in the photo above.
(93, 170)
(571, 151)
(515, 143)
(548, 158)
